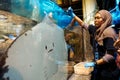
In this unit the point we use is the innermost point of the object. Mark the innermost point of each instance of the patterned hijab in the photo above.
(101, 33)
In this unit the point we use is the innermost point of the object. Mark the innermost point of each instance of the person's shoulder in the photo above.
(109, 29)
(92, 28)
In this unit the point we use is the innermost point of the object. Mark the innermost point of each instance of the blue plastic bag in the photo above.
(35, 9)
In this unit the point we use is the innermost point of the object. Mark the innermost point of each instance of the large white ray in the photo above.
(36, 54)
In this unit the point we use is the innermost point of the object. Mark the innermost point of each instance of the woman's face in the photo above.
(98, 20)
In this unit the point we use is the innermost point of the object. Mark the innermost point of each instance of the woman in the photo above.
(103, 36)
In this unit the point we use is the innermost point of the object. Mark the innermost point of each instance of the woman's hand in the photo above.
(70, 12)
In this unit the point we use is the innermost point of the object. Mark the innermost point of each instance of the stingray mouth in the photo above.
(50, 50)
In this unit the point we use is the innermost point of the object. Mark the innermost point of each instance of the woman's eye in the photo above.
(98, 17)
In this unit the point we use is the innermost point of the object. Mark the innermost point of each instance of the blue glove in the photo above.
(70, 12)
(11, 37)
(89, 64)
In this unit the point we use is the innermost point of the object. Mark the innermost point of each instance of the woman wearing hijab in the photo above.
(103, 36)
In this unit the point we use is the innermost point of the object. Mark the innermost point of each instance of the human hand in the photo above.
(89, 64)
(70, 12)
(11, 37)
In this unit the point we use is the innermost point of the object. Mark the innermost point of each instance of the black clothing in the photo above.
(107, 43)
(106, 71)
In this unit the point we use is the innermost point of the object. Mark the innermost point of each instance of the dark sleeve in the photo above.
(91, 29)
(108, 44)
